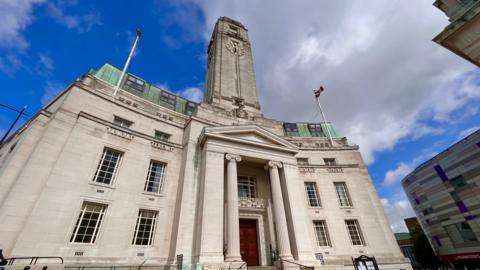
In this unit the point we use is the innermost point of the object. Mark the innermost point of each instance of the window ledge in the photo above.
(347, 207)
(153, 194)
(102, 185)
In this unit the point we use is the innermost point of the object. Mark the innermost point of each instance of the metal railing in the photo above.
(33, 260)
(282, 261)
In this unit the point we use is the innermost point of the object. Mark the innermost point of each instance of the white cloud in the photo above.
(51, 89)
(464, 133)
(81, 22)
(397, 209)
(385, 79)
(16, 16)
(192, 93)
(393, 176)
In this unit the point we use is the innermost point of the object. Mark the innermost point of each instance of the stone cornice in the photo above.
(128, 133)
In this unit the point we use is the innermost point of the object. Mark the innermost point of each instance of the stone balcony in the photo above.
(251, 203)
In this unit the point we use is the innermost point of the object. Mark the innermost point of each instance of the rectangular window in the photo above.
(302, 161)
(135, 83)
(155, 177)
(321, 231)
(458, 182)
(88, 223)
(354, 232)
(122, 122)
(461, 233)
(342, 194)
(107, 167)
(162, 135)
(330, 161)
(312, 196)
(247, 187)
(315, 130)
(191, 107)
(291, 129)
(168, 98)
(145, 228)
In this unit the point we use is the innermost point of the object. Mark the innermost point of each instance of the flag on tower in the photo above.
(318, 92)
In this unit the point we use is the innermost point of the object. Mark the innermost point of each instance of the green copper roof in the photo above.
(143, 89)
(139, 87)
(309, 130)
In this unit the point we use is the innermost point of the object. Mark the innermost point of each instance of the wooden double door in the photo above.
(249, 241)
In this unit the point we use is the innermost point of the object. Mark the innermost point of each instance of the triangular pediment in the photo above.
(250, 134)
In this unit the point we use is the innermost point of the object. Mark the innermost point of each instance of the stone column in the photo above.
(283, 242)
(233, 230)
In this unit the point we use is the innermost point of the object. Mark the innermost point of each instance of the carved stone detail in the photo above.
(161, 146)
(257, 203)
(272, 164)
(120, 133)
(232, 157)
(235, 47)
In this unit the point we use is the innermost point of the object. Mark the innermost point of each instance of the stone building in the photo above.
(445, 194)
(145, 176)
(462, 34)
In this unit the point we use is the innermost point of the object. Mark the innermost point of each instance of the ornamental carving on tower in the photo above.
(235, 47)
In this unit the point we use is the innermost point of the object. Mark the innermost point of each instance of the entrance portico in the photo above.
(223, 149)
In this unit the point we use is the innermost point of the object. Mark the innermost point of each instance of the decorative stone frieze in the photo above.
(159, 145)
(253, 203)
(120, 133)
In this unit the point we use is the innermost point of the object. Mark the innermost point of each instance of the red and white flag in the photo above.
(318, 92)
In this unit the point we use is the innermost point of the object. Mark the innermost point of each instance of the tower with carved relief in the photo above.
(230, 81)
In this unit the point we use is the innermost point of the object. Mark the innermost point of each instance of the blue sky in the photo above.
(389, 88)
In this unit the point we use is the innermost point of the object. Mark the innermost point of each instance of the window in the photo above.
(88, 223)
(354, 232)
(330, 161)
(191, 107)
(168, 98)
(247, 187)
(312, 196)
(135, 83)
(122, 122)
(155, 177)
(342, 194)
(107, 167)
(145, 228)
(315, 130)
(427, 211)
(291, 129)
(302, 161)
(461, 233)
(458, 182)
(162, 135)
(321, 231)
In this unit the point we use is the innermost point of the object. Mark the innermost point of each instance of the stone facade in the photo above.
(462, 34)
(91, 170)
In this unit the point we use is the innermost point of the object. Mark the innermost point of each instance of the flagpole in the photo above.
(324, 120)
(130, 55)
